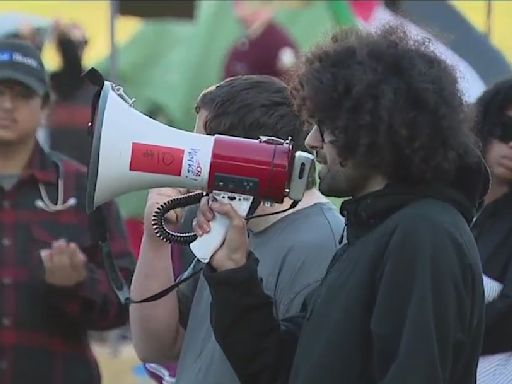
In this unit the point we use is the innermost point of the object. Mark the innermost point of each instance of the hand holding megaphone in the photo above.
(131, 151)
(155, 198)
(232, 253)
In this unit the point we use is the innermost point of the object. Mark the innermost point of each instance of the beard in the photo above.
(332, 183)
(341, 181)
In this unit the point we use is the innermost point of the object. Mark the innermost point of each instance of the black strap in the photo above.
(292, 206)
(166, 291)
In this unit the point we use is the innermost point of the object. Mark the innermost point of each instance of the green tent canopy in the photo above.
(170, 61)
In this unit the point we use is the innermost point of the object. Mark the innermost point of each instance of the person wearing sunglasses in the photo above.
(493, 226)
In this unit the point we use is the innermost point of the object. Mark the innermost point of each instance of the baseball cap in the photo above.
(21, 62)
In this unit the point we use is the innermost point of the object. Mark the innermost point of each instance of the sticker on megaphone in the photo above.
(132, 152)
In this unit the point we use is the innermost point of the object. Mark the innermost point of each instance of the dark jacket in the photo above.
(402, 301)
(493, 233)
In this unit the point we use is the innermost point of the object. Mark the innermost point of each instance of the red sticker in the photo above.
(156, 159)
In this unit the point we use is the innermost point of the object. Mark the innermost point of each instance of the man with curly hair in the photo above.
(402, 301)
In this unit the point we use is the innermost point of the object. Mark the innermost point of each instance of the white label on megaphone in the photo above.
(205, 246)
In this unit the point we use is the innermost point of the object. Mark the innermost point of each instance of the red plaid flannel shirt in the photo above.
(43, 328)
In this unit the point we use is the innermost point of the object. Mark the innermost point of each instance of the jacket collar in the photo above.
(366, 212)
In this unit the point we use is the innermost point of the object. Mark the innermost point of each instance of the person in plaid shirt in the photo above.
(53, 289)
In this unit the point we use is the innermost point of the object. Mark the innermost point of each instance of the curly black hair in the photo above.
(490, 111)
(391, 104)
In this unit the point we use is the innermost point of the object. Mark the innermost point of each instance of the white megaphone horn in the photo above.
(131, 151)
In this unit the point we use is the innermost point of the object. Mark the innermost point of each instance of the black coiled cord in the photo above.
(164, 234)
(158, 219)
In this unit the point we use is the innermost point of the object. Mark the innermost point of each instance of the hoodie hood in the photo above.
(466, 193)
(473, 181)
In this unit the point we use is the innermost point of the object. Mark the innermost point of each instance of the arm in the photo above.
(71, 65)
(258, 347)
(156, 331)
(93, 302)
(68, 79)
(424, 306)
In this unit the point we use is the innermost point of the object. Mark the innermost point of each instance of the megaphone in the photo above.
(131, 151)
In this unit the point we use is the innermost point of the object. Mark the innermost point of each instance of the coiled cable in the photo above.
(158, 218)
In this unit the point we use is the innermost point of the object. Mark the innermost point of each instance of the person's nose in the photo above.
(314, 139)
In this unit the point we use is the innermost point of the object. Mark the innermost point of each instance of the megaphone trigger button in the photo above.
(302, 170)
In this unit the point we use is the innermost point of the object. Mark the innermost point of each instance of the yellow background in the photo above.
(501, 20)
(93, 15)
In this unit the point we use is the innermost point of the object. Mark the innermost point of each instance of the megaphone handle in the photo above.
(205, 246)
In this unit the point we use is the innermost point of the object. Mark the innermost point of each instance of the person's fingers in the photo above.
(60, 243)
(227, 210)
(506, 157)
(60, 253)
(194, 227)
(204, 216)
(204, 208)
(78, 262)
(202, 225)
(173, 217)
(158, 196)
(506, 162)
(77, 257)
(46, 257)
(504, 168)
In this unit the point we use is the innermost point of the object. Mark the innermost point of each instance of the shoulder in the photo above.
(435, 215)
(324, 213)
(311, 238)
(436, 231)
(317, 224)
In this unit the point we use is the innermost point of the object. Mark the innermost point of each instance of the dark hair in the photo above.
(391, 104)
(490, 111)
(252, 106)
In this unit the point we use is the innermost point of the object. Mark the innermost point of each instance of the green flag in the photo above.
(341, 12)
